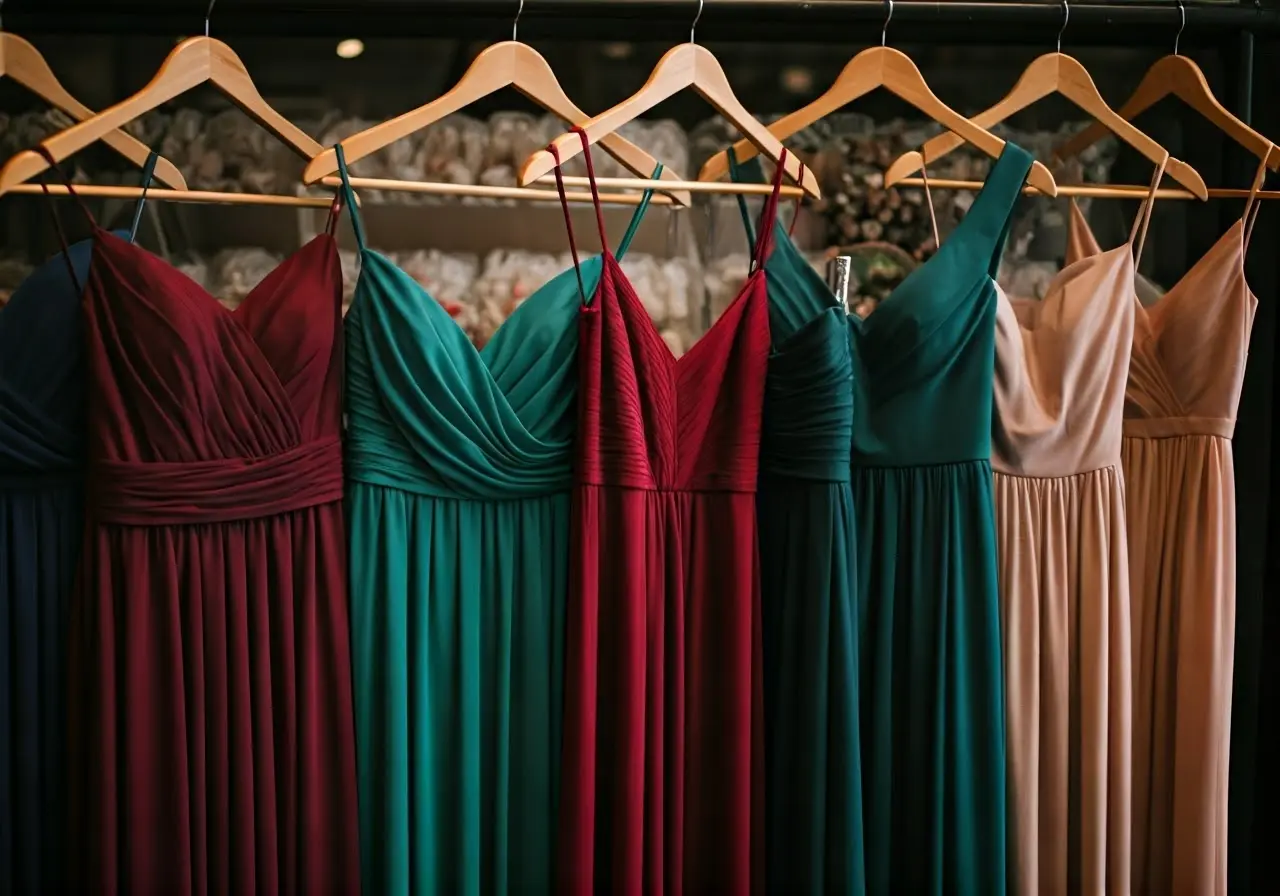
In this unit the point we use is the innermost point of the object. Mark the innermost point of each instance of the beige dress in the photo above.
(1185, 376)
(1061, 367)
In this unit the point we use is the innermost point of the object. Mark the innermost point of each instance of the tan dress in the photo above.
(1185, 375)
(1061, 367)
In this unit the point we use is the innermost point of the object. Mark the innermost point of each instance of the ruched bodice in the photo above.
(428, 413)
(42, 371)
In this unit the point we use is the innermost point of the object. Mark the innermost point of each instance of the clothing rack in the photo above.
(914, 21)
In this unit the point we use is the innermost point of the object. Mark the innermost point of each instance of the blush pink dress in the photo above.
(1061, 369)
(1185, 375)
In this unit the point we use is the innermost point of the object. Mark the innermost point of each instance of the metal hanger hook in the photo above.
(694, 27)
(1182, 10)
(1066, 17)
(515, 26)
(208, 13)
(888, 17)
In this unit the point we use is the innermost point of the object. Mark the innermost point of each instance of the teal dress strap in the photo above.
(995, 205)
(349, 196)
(637, 216)
(148, 173)
(751, 173)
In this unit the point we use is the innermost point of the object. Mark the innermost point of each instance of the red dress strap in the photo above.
(53, 211)
(768, 215)
(595, 200)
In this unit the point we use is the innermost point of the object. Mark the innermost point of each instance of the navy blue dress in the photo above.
(41, 452)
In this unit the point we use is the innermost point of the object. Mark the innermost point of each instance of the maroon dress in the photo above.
(663, 772)
(211, 710)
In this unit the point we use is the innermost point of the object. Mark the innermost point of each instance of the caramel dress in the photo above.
(1061, 368)
(1185, 376)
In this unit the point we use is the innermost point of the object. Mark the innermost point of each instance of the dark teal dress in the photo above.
(933, 758)
(813, 795)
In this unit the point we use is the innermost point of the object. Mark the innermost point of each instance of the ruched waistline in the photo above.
(1170, 427)
(216, 491)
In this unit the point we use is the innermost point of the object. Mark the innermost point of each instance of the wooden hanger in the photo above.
(688, 66)
(193, 62)
(1178, 76)
(894, 71)
(506, 64)
(1049, 74)
(23, 63)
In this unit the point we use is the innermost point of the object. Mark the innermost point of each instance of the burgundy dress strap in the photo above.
(768, 215)
(568, 225)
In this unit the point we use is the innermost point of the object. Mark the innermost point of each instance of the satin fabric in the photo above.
(41, 497)
(813, 773)
(211, 696)
(933, 760)
(459, 467)
(1189, 354)
(1061, 368)
(663, 765)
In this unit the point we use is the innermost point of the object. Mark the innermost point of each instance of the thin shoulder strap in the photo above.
(638, 215)
(1143, 220)
(53, 212)
(148, 172)
(735, 175)
(1252, 205)
(568, 225)
(996, 202)
(349, 196)
(768, 216)
(595, 193)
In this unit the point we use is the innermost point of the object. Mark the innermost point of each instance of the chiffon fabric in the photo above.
(663, 768)
(41, 468)
(933, 754)
(813, 775)
(211, 698)
(1185, 377)
(459, 473)
(1061, 368)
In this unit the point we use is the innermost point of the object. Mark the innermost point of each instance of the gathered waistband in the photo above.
(216, 491)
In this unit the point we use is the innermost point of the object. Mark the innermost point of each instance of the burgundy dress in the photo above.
(663, 772)
(211, 713)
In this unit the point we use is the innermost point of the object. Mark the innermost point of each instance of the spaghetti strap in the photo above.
(595, 193)
(1251, 205)
(638, 215)
(768, 217)
(568, 226)
(148, 173)
(349, 196)
(43, 151)
(735, 172)
(1143, 220)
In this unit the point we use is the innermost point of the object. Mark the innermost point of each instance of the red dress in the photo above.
(211, 716)
(663, 772)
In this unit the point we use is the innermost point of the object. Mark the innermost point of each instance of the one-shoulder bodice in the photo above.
(923, 360)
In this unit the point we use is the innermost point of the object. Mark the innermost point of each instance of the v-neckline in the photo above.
(102, 235)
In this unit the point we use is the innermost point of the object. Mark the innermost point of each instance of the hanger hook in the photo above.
(1182, 10)
(694, 26)
(515, 26)
(1066, 17)
(888, 17)
(208, 13)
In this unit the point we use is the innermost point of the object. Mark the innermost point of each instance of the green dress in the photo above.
(813, 785)
(458, 487)
(933, 760)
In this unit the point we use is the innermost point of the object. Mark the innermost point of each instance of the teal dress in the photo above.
(458, 473)
(813, 785)
(933, 759)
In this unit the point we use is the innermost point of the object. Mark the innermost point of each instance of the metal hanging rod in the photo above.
(915, 21)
